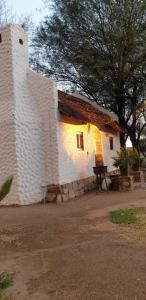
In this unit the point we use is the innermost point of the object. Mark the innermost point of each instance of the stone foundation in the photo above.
(138, 176)
(125, 183)
(122, 183)
(65, 192)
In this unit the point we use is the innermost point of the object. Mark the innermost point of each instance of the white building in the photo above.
(47, 137)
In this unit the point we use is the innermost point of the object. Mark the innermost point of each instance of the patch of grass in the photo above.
(6, 279)
(139, 210)
(123, 216)
(5, 297)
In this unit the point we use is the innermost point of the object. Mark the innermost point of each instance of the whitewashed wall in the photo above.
(8, 159)
(45, 94)
(75, 164)
(29, 144)
(28, 118)
(107, 153)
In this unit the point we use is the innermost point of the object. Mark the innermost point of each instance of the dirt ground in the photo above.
(72, 251)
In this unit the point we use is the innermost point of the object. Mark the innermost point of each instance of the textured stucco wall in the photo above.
(28, 118)
(45, 94)
(107, 153)
(28, 125)
(75, 164)
(8, 160)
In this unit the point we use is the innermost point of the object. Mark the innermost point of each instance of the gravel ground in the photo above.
(73, 252)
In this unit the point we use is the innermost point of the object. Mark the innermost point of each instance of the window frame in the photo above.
(111, 143)
(80, 140)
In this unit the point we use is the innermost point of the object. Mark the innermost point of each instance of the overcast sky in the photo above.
(35, 8)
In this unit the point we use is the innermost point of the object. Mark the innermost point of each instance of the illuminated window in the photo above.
(111, 142)
(80, 140)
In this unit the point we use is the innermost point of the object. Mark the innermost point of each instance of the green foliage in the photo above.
(125, 158)
(135, 158)
(5, 188)
(142, 143)
(6, 279)
(5, 297)
(97, 46)
(123, 216)
(122, 158)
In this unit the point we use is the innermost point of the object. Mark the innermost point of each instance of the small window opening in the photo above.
(0, 38)
(20, 41)
(80, 140)
(111, 142)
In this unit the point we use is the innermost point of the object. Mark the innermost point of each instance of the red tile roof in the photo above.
(84, 110)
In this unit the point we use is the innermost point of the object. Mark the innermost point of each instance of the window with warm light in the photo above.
(111, 142)
(80, 140)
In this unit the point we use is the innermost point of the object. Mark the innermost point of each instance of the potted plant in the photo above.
(135, 160)
(122, 161)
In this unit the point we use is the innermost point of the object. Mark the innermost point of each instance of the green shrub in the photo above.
(6, 279)
(5, 188)
(135, 158)
(125, 158)
(121, 160)
(5, 297)
(123, 216)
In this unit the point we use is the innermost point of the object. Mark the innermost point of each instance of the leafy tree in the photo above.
(99, 48)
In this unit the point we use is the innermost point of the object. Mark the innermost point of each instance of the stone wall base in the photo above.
(126, 183)
(65, 192)
(122, 183)
(138, 176)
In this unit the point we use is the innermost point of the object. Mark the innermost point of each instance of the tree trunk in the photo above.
(134, 141)
(122, 139)
(129, 130)
(121, 114)
(133, 134)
